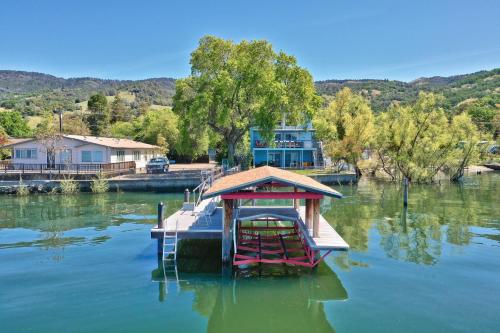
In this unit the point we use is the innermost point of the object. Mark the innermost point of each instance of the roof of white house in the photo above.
(102, 141)
(111, 142)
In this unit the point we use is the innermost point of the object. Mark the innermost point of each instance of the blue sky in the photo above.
(126, 39)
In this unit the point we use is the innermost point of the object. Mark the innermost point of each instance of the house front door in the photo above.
(51, 159)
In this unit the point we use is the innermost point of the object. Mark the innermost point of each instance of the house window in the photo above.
(97, 156)
(137, 155)
(65, 156)
(120, 155)
(92, 156)
(26, 153)
(86, 156)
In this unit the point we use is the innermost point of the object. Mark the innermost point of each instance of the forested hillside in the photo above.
(32, 93)
(456, 89)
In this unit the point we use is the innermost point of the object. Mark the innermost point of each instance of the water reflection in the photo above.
(271, 298)
(50, 221)
(436, 215)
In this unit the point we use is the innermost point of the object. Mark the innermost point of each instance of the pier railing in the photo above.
(207, 179)
(65, 168)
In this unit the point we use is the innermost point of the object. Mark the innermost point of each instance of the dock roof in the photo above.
(267, 174)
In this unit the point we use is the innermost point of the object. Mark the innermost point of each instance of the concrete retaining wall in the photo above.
(336, 178)
(149, 183)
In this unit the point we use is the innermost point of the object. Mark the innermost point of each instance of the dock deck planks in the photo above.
(196, 226)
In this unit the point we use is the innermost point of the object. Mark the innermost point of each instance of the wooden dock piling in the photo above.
(160, 224)
(405, 194)
(309, 214)
(226, 233)
(161, 215)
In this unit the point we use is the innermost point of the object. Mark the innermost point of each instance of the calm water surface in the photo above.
(86, 263)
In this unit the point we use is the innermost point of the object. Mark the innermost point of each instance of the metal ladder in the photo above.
(170, 244)
(170, 264)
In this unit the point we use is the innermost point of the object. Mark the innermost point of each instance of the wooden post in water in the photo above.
(161, 215)
(405, 194)
(226, 234)
(315, 214)
(160, 225)
(309, 215)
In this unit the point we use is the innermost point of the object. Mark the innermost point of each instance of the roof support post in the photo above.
(315, 209)
(226, 234)
(309, 215)
(296, 202)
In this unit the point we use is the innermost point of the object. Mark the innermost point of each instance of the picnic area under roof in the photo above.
(264, 175)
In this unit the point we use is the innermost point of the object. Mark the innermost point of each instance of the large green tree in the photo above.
(14, 124)
(235, 86)
(417, 141)
(120, 111)
(158, 127)
(346, 127)
(99, 116)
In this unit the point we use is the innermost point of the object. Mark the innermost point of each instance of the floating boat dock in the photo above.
(294, 234)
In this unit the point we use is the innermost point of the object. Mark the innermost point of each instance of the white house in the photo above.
(80, 149)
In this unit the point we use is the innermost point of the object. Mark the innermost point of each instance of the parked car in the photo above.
(158, 165)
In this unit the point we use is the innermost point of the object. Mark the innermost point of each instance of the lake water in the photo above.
(85, 263)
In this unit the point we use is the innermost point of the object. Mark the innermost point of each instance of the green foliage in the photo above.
(14, 125)
(69, 186)
(163, 144)
(235, 86)
(484, 113)
(99, 184)
(3, 136)
(345, 127)
(382, 93)
(120, 111)
(418, 141)
(193, 139)
(156, 123)
(74, 123)
(4, 153)
(467, 150)
(22, 189)
(122, 129)
(34, 93)
(99, 117)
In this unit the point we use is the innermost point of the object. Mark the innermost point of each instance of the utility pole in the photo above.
(60, 113)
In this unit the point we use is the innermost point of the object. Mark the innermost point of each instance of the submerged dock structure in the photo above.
(226, 208)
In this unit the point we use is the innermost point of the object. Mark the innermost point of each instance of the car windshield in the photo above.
(157, 160)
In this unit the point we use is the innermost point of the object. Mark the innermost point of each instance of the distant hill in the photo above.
(31, 92)
(30, 82)
(456, 89)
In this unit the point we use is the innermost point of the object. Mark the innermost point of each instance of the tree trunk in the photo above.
(231, 148)
(358, 171)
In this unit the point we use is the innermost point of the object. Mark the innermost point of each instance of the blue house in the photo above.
(293, 147)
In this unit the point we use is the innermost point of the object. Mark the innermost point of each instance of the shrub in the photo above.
(99, 184)
(69, 186)
(22, 189)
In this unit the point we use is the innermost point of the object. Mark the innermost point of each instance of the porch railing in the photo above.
(65, 168)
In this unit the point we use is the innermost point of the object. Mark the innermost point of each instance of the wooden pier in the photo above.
(239, 225)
